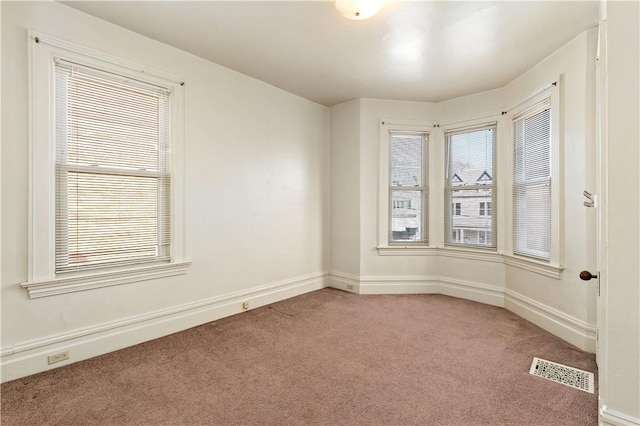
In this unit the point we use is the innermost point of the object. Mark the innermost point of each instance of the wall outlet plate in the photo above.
(60, 356)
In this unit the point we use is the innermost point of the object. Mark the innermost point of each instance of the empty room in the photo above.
(320, 212)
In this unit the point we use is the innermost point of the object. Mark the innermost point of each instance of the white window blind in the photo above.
(408, 196)
(532, 182)
(470, 187)
(112, 169)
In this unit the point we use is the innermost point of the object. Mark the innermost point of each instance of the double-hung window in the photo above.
(470, 187)
(532, 182)
(106, 172)
(403, 208)
(113, 175)
(408, 193)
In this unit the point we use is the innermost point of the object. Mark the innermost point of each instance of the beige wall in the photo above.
(256, 161)
(345, 188)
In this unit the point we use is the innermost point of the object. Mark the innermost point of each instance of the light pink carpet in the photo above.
(325, 358)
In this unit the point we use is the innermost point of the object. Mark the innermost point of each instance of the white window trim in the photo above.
(554, 266)
(407, 250)
(385, 129)
(41, 269)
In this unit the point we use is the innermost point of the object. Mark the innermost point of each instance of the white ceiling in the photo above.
(411, 50)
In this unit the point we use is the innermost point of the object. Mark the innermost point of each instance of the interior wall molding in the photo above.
(478, 292)
(560, 324)
(616, 418)
(567, 327)
(344, 281)
(30, 357)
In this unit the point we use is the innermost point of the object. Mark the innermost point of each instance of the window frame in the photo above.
(77, 162)
(42, 279)
(386, 129)
(550, 95)
(456, 128)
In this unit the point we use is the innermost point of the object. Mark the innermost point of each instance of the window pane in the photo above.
(467, 224)
(406, 216)
(111, 218)
(532, 224)
(470, 187)
(112, 126)
(533, 147)
(406, 160)
(471, 157)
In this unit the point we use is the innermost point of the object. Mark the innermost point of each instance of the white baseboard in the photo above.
(615, 418)
(399, 285)
(30, 357)
(566, 327)
(417, 285)
(342, 281)
(483, 293)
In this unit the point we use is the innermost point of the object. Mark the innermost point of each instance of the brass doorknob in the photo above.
(586, 276)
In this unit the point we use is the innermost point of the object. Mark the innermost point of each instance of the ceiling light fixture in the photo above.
(358, 9)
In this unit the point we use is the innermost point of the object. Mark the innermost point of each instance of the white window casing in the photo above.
(470, 186)
(536, 184)
(106, 202)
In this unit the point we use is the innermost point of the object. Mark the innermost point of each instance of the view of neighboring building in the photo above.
(471, 210)
(408, 189)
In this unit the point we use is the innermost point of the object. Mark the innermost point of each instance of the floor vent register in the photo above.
(569, 376)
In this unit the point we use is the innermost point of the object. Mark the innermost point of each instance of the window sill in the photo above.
(407, 251)
(54, 286)
(483, 254)
(549, 270)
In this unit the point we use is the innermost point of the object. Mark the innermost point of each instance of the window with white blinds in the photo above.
(470, 187)
(408, 195)
(532, 182)
(112, 175)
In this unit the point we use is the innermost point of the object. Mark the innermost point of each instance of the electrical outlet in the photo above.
(60, 356)
(349, 286)
(245, 305)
